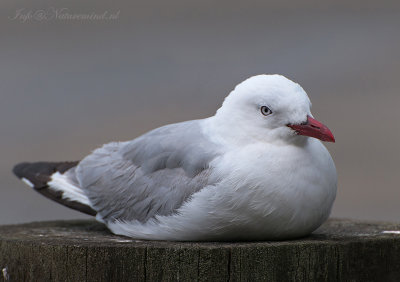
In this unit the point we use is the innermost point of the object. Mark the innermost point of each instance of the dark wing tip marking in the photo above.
(39, 173)
(19, 169)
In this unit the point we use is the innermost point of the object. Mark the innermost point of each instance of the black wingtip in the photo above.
(39, 173)
(20, 169)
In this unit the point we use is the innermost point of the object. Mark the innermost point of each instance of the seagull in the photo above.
(256, 170)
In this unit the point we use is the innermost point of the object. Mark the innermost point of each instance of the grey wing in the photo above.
(151, 175)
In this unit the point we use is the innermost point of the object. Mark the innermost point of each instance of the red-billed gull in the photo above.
(253, 171)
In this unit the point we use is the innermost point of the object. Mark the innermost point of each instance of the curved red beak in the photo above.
(313, 128)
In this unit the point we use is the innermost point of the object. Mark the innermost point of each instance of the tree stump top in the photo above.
(86, 251)
(92, 233)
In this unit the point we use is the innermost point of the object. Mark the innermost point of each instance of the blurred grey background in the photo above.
(69, 85)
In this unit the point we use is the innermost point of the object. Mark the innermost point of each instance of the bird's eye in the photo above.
(266, 111)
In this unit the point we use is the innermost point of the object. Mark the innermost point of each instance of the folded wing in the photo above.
(151, 175)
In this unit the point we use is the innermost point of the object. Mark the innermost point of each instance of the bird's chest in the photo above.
(281, 185)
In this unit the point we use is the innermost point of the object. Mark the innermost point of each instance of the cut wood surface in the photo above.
(341, 250)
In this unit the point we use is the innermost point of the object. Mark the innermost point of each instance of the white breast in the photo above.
(272, 193)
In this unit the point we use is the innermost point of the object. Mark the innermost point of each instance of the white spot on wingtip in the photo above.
(391, 232)
(60, 182)
(27, 182)
(5, 274)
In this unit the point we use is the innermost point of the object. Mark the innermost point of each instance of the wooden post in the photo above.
(341, 250)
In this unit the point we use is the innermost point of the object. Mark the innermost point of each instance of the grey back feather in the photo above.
(151, 175)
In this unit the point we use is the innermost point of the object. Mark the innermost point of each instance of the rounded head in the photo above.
(264, 106)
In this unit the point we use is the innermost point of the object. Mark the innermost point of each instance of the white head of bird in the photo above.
(270, 108)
